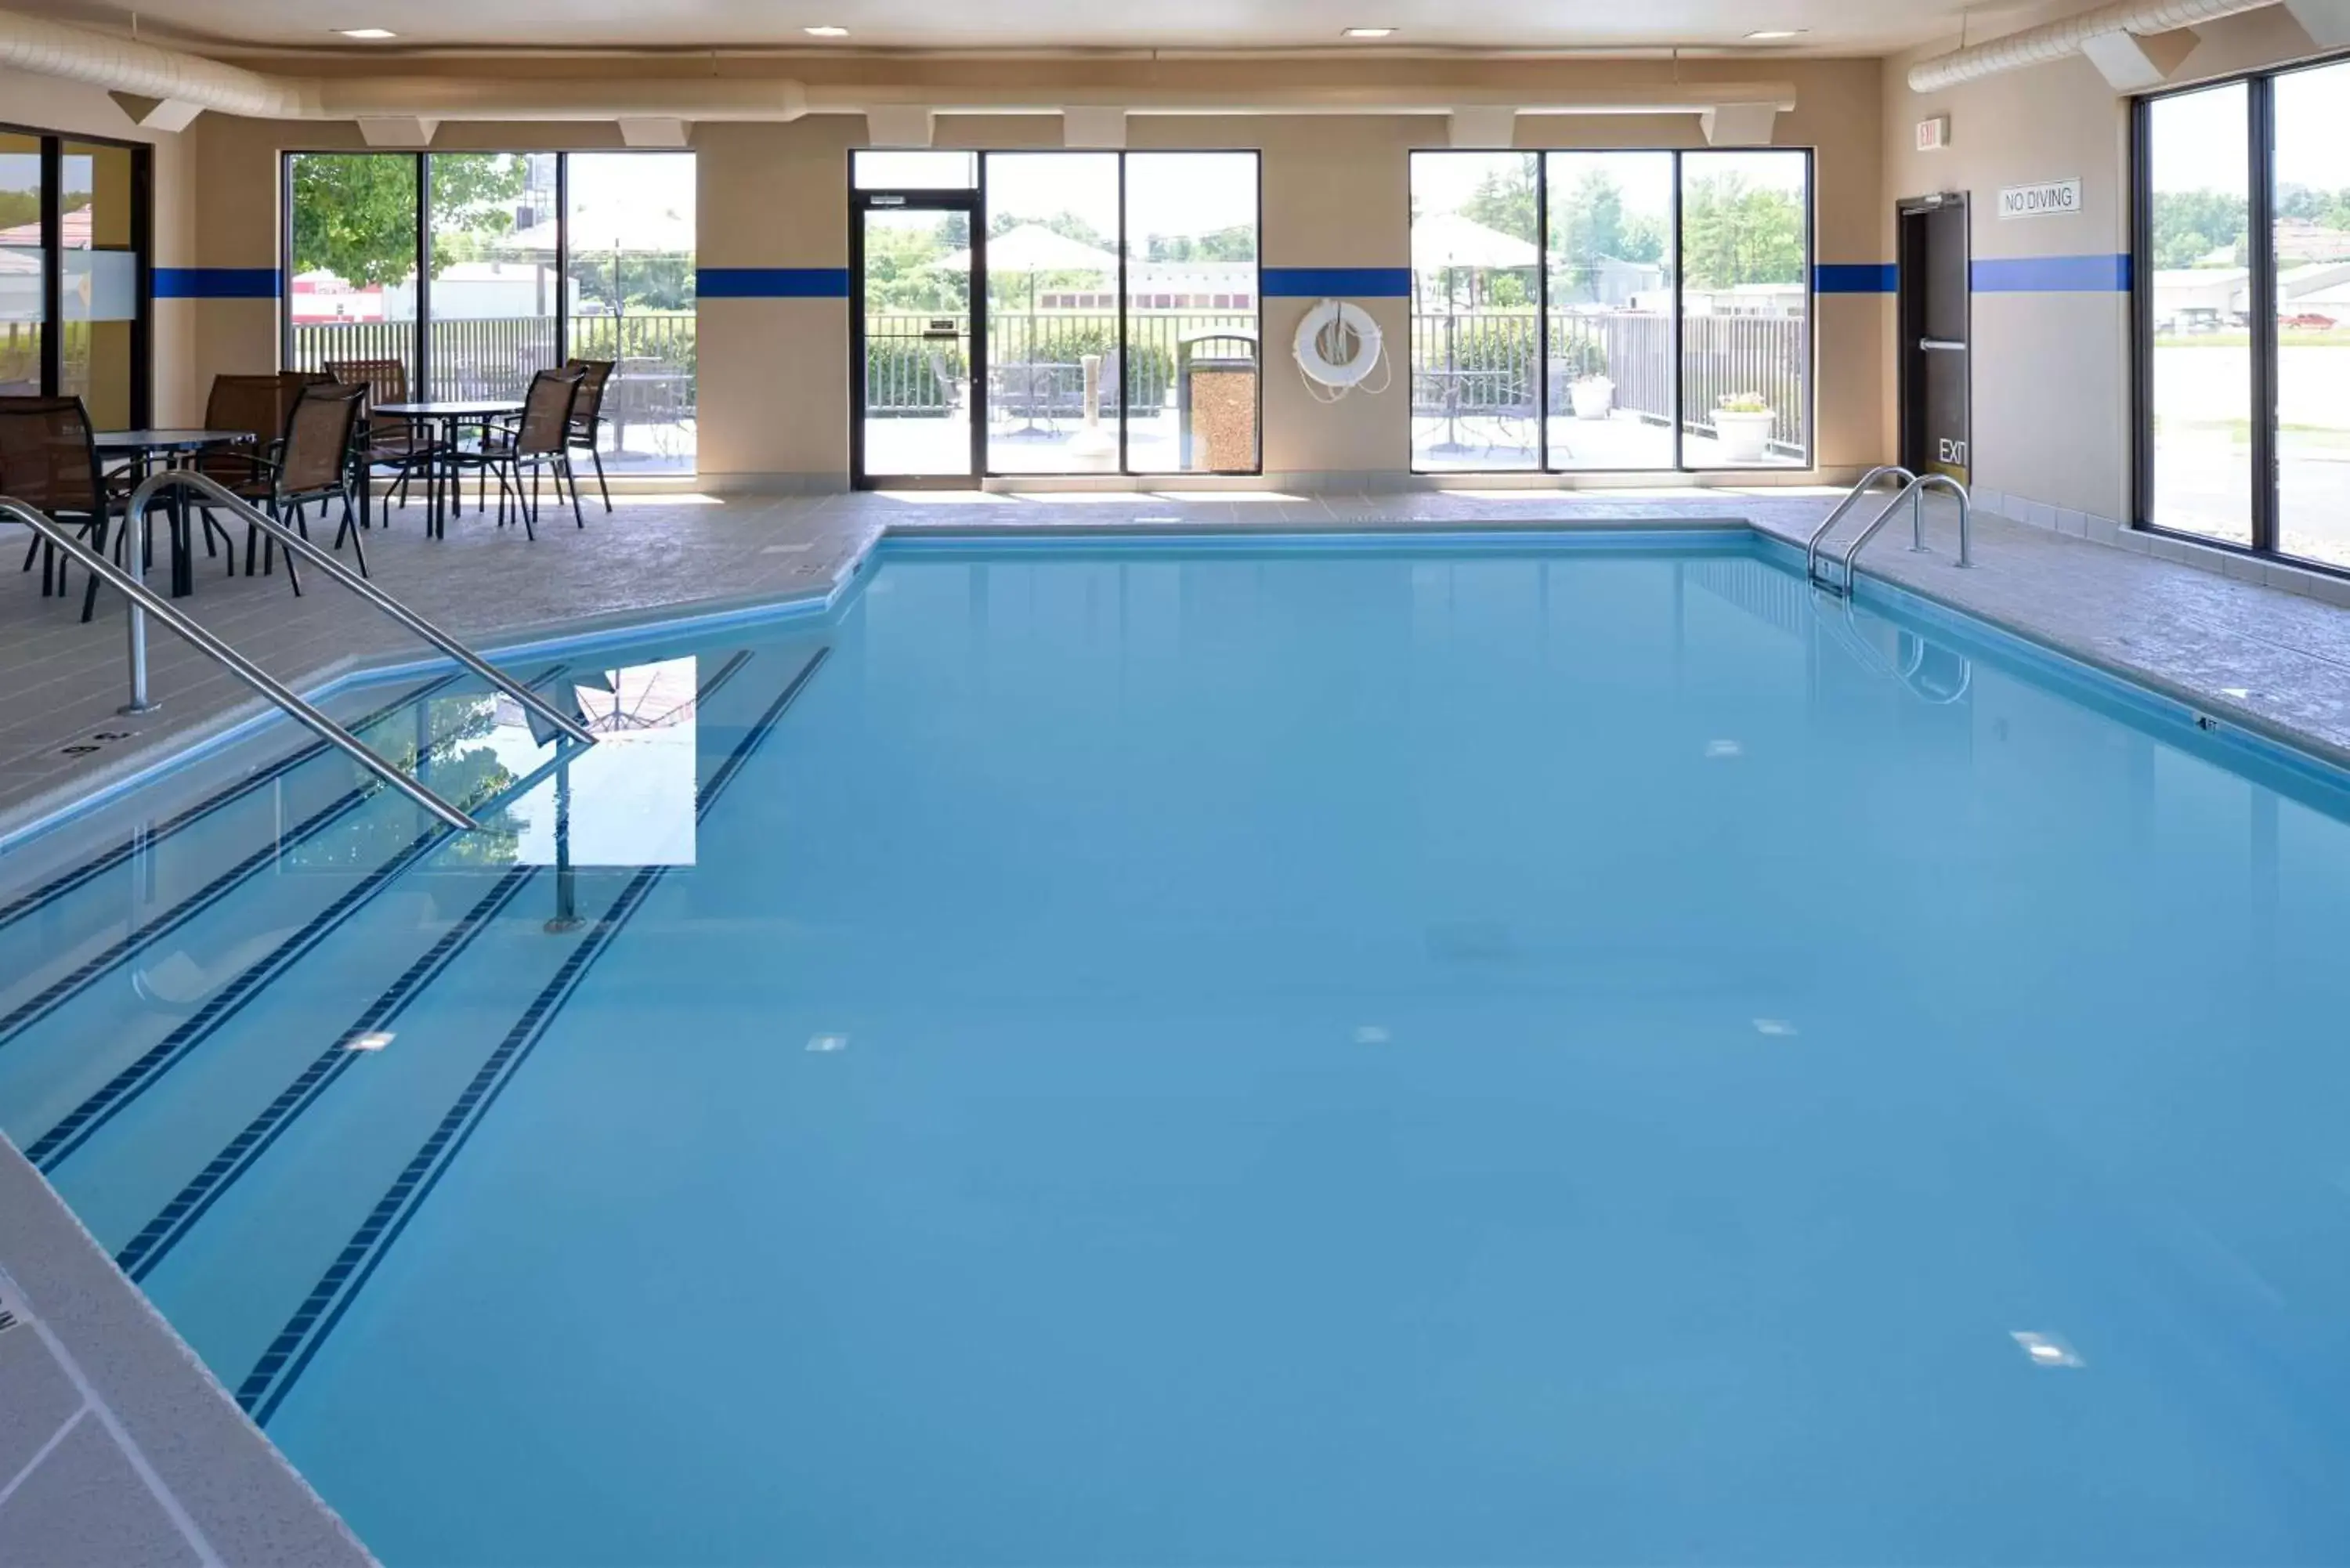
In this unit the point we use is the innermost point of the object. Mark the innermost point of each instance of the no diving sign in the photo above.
(2049, 199)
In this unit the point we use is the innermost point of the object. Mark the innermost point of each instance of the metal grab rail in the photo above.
(143, 598)
(1851, 499)
(1913, 493)
(215, 492)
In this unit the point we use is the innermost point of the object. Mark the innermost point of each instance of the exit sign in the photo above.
(1934, 134)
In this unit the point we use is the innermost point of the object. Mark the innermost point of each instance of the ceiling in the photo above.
(1829, 26)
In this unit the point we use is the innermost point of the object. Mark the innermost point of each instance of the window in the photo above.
(1611, 311)
(2199, 371)
(24, 266)
(532, 258)
(630, 234)
(2241, 272)
(1745, 309)
(73, 306)
(1115, 329)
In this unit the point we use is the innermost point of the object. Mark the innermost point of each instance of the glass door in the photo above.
(920, 413)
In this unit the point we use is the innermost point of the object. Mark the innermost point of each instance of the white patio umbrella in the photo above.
(1034, 248)
(1446, 240)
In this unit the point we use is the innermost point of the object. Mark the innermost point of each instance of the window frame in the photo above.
(52, 144)
(982, 347)
(2262, 335)
(421, 336)
(1543, 466)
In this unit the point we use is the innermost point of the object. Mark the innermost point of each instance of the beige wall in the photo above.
(774, 372)
(44, 103)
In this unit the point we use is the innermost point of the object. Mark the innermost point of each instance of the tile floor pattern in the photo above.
(2234, 646)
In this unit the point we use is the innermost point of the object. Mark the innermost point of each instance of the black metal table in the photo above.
(450, 416)
(175, 447)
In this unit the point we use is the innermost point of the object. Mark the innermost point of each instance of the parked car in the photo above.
(2308, 320)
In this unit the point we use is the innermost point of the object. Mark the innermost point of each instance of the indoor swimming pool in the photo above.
(1471, 1050)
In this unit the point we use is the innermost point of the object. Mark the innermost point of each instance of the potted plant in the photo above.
(1742, 424)
(1592, 393)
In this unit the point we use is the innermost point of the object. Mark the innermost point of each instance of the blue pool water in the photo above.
(1146, 1054)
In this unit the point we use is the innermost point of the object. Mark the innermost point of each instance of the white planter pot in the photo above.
(1744, 438)
(1593, 398)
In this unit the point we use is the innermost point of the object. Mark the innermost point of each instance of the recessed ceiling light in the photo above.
(826, 32)
(369, 33)
(1370, 33)
(1774, 34)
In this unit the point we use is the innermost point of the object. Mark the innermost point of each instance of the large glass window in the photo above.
(1191, 313)
(1476, 261)
(99, 249)
(1052, 312)
(514, 278)
(351, 289)
(632, 227)
(2200, 374)
(72, 308)
(1611, 311)
(24, 266)
(1612, 254)
(1103, 318)
(2242, 262)
(1746, 269)
(2310, 260)
(492, 300)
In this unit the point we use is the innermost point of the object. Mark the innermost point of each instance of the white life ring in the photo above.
(1336, 323)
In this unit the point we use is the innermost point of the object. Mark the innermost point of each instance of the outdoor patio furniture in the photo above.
(1039, 392)
(404, 446)
(49, 460)
(262, 407)
(311, 463)
(540, 438)
(588, 415)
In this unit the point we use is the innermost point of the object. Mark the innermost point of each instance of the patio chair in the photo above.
(311, 462)
(588, 415)
(540, 439)
(403, 446)
(261, 407)
(49, 460)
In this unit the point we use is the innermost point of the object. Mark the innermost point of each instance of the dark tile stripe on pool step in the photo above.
(75, 1128)
(26, 902)
(158, 1237)
(266, 1386)
(57, 991)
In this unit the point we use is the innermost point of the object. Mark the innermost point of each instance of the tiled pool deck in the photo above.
(117, 1447)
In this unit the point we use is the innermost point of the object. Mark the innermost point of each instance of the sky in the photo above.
(2201, 139)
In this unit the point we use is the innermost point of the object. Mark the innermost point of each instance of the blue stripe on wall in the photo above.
(1336, 281)
(216, 283)
(2101, 273)
(1855, 277)
(772, 282)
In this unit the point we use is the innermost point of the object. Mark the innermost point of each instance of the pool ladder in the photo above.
(1914, 487)
(145, 601)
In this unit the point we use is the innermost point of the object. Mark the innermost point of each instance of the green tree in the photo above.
(1237, 244)
(355, 213)
(2191, 226)
(1733, 233)
(1504, 200)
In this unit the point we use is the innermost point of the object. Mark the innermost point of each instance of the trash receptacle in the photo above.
(1216, 374)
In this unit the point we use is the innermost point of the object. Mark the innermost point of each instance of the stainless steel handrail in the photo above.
(1851, 499)
(143, 598)
(1913, 493)
(216, 495)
